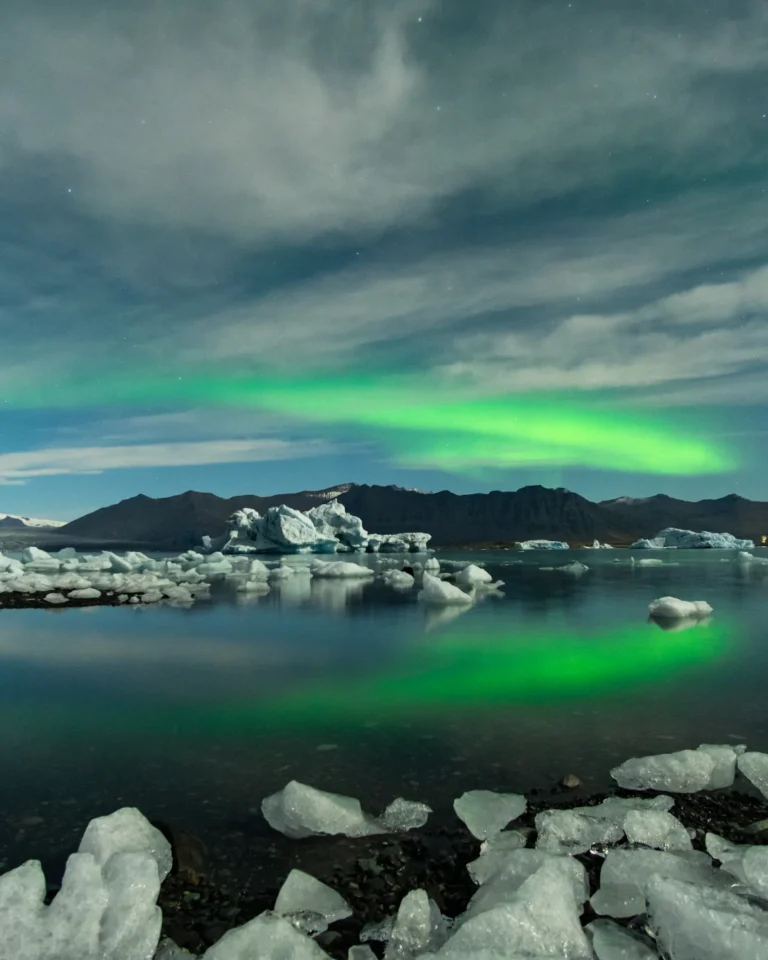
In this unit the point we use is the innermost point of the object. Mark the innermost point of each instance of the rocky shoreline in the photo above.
(201, 902)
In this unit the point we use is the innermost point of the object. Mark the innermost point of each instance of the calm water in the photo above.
(195, 715)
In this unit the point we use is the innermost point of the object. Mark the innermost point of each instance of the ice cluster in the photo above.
(670, 608)
(327, 528)
(680, 903)
(673, 537)
(135, 578)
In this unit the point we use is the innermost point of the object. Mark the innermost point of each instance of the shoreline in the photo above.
(200, 904)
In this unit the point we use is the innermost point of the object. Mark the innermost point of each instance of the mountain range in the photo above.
(498, 517)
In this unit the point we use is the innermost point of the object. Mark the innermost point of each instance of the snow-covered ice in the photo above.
(299, 811)
(685, 771)
(486, 813)
(670, 608)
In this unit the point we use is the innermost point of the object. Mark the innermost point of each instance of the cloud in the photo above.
(277, 120)
(18, 466)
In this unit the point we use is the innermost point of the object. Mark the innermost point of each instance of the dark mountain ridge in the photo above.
(180, 521)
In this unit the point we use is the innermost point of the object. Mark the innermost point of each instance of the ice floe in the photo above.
(541, 545)
(440, 592)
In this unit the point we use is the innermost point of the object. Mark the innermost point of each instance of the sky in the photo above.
(271, 245)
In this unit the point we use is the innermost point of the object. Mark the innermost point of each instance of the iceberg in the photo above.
(541, 545)
(670, 608)
(340, 570)
(596, 545)
(398, 579)
(326, 528)
(673, 537)
(439, 592)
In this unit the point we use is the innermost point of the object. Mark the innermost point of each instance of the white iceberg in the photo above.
(439, 592)
(670, 608)
(674, 537)
(541, 545)
(398, 579)
(326, 528)
(340, 570)
(300, 811)
(596, 545)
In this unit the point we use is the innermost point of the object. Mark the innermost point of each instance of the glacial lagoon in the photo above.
(194, 715)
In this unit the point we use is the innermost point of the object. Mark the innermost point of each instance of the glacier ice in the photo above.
(655, 828)
(754, 766)
(266, 937)
(541, 545)
(340, 569)
(302, 811)
(691, 540)
(472, 575)
(624, 876)
(128, 831)
(747, 862)
(494, 854)
(310, 904)
(326, 528)
(486, 813)
(670, 608)
(398, 579)
(696, 922)
(725, 757)
(613, 942)
(564, 831)
(439, 592)
(685, 771)
(419, 926)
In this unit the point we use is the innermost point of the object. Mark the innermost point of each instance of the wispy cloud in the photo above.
(18, 467)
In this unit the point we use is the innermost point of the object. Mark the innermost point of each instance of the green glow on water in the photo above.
(463, 671)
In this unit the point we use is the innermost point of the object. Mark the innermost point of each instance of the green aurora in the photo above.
(427, 423)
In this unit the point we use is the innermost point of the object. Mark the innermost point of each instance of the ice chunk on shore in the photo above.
(683, 772)
(518, 866)
(302, 811)
(419, 926)
(266, 937)
(655, 828)
(612, 942)
(694, 922)
(672, 608)
(540, 919)
(563, 831)
(494, 854)
(541, 545)
(624, 877)
(87, 593)
(55, 598)
(746, 862)
(486, 813)
(310, 904)
(616, 808)
(725, 757)
(126, 831)
(439, 592)
(754, 766)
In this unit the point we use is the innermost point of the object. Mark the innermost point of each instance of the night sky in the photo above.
(257, 247)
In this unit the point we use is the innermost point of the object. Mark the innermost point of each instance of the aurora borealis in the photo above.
(294, 245)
